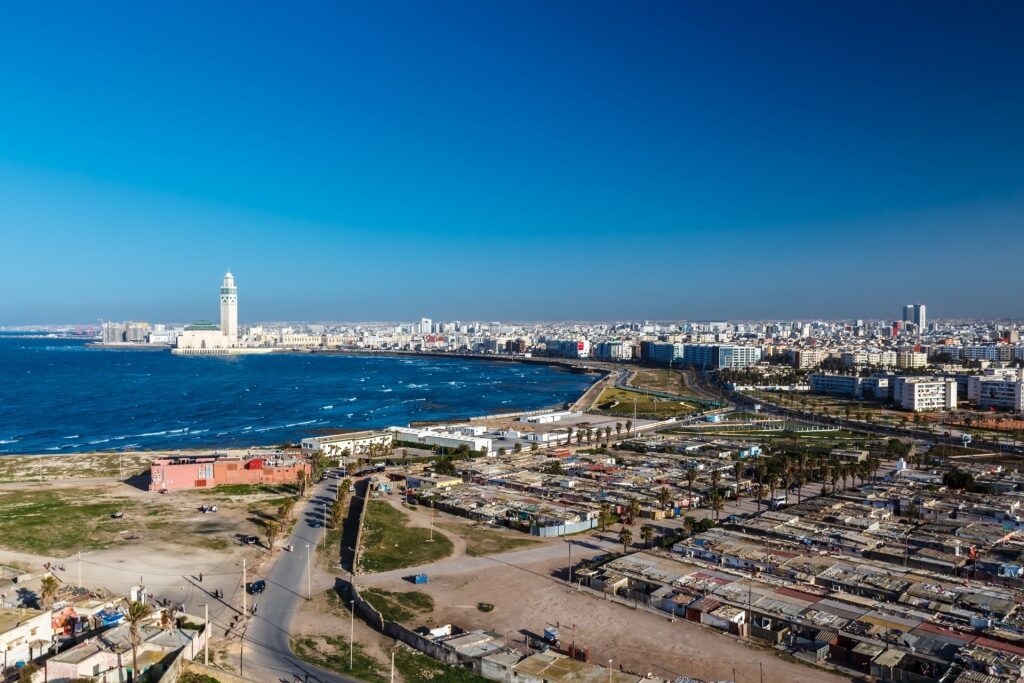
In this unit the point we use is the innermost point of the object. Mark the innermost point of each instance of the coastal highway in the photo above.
(268, 656)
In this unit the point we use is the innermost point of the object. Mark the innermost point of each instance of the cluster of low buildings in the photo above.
(84, 635)
(901, 580)
(186, 471)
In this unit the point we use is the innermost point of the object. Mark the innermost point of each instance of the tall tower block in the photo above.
(229, 308)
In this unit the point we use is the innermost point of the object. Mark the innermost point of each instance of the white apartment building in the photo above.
(613, 350)
(355, 443)
(1004, 374)
(994, 392)
(911, 359)
(920, 394)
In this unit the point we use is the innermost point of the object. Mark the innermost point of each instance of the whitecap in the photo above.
(153, 433)
(326, 407)
(385, 391)
(299, 424)
(352, 399)
(3, 441)
(98, 441)
(347, 415)
(73, 436)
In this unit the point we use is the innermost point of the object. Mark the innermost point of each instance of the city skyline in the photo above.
(576, 161)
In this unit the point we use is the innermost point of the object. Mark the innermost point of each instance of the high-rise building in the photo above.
(229, 307)
(915, 313)
(426, 326)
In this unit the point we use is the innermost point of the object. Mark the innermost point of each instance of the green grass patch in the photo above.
(332, 653)
(399, 607)
(480, 541)
(55, 522)
(389, 543)
(619, 402)
(193, 677)
(416, 667)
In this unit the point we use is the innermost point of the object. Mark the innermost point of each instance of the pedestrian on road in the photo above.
(200, 577)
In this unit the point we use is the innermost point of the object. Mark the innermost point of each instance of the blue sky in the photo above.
(510, 160)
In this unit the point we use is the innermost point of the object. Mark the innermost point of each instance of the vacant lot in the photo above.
(389, 543)
(63, 518)
(398, 606)
(332, 653)
(45, 522)
(619, 402)
(483, 541)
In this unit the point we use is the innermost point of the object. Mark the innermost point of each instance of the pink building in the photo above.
(202, 471)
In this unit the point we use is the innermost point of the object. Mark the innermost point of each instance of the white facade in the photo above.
(994, 392)
(356, 443)
(923, 394)
(911, 359)
(229, 308)
(24, 633)
(435, 436)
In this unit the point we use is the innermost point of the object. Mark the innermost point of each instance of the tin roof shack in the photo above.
(551, 667)
(24, 633)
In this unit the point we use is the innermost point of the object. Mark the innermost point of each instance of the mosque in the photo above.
(203, 338)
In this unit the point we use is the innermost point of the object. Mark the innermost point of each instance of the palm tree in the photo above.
(647, 534)
(604, 512)
(629, 426)
(759, 473)
(137, 613)
(737, 472)
(568, 439)
(634, 510)
(833, 477)
(272, 528)
(691, 476)
(717, 503)
(800, 479)
(618, 430)
(48, 590)
(626, 538)
(664, 497)
(689, 522)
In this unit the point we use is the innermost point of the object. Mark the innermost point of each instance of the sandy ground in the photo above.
(44, 467)
(528, 594)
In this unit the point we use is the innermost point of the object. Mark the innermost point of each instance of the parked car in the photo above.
(250, 540)
(256, 587)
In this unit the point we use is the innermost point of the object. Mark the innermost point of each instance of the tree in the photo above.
(272, 528)
(689, 522)
(629, 426)
(517, 448)
(502, 452)
(137, 613)
(604, 512)
(48, 590)
(445, 466)
(717, 503)
(27, 672)
(618, 430)
(626, 538)
(554, 467)
(737, 472)
(691, 476)
(664, 497)
(634, 510)
(647, 534)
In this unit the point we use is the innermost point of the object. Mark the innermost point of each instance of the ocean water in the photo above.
(59, 396)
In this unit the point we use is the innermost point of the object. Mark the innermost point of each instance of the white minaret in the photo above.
(229, 308)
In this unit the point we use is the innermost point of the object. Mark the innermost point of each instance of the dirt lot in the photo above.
(528, 595)
(83, 465)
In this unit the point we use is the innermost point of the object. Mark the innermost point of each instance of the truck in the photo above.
(420, 578)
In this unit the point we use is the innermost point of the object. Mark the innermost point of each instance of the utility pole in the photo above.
(392, 666)
(241, 655)
(245, 589)
(79, 568)
(206, 643)
(309, 579)
(323, 538)
(570, 563)
(351, 631)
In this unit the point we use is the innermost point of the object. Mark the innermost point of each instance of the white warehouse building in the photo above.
(436, 436)
(924, 394)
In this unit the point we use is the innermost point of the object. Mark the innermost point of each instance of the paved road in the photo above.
(268, 655)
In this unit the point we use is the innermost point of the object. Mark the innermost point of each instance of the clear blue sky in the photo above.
(510, 160)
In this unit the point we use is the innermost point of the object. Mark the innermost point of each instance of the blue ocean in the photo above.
(61, 396)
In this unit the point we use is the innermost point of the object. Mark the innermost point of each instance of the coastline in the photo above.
(599, 374)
